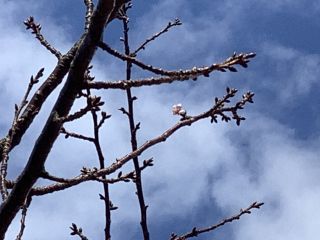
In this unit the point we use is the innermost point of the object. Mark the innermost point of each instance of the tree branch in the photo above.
(89, 11)
(176, 22)
(217, 110)
(36, 30)
(196, 232)
(133, 133)
(72, 87)
(241, 59)
(236, 59)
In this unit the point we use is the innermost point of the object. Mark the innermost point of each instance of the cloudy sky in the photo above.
(204, 172)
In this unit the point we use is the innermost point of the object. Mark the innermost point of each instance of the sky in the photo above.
(202, 173)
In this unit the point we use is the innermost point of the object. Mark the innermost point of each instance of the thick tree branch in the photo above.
(72, 87)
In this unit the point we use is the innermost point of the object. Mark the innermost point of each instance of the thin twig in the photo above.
(6, 143)
(196, 232)
(176, 22)
(91, 100)
(212, 113)
(77, 231)
(32, 82)
(23, 217)
(75, 135)
(133, 130)
(36, 30)
(93, 104)
(48, 176)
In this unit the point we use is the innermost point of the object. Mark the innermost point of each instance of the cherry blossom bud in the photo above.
(176, 108)
(182, 112)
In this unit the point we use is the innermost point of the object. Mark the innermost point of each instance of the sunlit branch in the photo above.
(236, 59)
(195, 232)
(89, 11)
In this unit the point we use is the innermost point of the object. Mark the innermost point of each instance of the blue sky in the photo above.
(204, 172)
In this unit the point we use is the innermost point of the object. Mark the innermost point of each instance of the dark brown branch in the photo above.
(131, 176)
(236, 59)
(36, 30)
(48, 176)
(176, 22)
(193, 74)
(77, 231)
(104, 117)
(75, 135)
(32, 82)
(125, 84)
(76, 115)
(93, 104)
(212, 113)
(133, 130)
(196, 232)
(72, 87)
(91, 100)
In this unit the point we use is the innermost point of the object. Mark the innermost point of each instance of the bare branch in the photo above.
(236, 59)
(133, 131)
(95, 102)
(196, 232)
(75, 135)
(23, 217)
(40, 96)
(7, 142)
(36, 30)
(48, 176)
(104, 117)
(176, 22)
(77, 231)
(212, 113)
(89, 11)
(32, 82)
(62, 107)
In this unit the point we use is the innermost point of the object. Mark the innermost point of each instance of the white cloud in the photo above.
(284, 177)
(295, 73)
